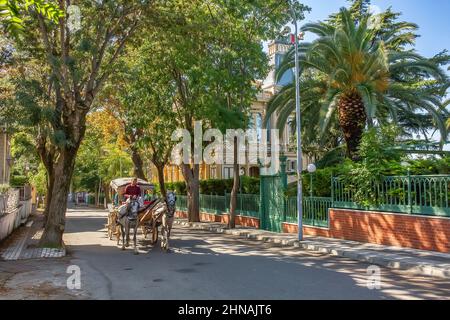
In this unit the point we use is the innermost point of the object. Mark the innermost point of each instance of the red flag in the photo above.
(292, 36)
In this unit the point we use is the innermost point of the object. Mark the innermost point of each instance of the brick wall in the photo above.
(223, 218)
(402, 230)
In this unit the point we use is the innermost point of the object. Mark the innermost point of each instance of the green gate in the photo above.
(273, 200)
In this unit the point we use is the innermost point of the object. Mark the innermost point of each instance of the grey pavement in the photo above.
(205, 265)
(414, 261)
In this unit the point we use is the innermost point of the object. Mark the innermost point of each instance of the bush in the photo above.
(4, 188)
(18, 181)
(321, 181)
(178, 187)
(250, 185)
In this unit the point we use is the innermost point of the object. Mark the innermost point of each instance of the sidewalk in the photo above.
(420, 262)
(22, 243)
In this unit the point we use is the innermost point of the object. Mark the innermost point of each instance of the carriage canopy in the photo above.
(119, 185)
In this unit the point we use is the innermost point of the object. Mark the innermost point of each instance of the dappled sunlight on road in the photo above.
(203, 264)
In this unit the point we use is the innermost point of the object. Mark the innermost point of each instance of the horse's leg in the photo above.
(118, 233)
(154, 233)
(135, 240)
(122, 231)
(164, 238)
(112, 226)
(127, 232)
(108, 231)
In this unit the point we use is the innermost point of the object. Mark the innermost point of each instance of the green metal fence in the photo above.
(182, 203)
(422, 195)
(315, 211)
(213, 204)
(247, 204)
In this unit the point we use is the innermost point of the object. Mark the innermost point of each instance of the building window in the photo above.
(228, 172)
(294, 165)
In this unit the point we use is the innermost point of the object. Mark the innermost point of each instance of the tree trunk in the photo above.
(352, 120)
(138, 164)
(161, 181)
(54, 227)
(106, 190)
(234, 191)
(191, 175)
(48, 195)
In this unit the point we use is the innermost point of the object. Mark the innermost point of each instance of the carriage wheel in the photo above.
(155, 236)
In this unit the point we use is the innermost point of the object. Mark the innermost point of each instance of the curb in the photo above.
(418, 268)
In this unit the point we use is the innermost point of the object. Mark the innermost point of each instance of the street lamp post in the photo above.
(295, 39)
(241, 174)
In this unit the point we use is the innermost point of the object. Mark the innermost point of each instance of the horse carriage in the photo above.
(147, 213)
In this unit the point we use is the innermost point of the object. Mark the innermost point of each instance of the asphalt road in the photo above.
(204, 265)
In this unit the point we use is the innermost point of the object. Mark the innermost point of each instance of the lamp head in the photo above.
(312, 168)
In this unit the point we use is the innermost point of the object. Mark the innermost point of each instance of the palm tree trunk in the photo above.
(352, 120)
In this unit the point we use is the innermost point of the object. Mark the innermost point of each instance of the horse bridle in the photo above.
(133, 215)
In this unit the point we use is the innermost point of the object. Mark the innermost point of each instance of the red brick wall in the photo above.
(223, 218)
(419, 232)
(309, 231)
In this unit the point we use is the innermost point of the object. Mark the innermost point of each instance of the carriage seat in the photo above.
(148, 206)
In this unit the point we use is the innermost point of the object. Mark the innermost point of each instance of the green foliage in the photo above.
(4, 188)
(18, 181)
(379, 158)
(14, 12)
(354, 54)
(429, 166)
(378, 155)
(250, 185)
(321, 182)
(39, 180)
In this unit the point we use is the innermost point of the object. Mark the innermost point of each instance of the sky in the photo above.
(432, 17)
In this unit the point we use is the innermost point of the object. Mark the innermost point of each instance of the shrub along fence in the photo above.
(315, 209)
(248, 205)
(422, 195)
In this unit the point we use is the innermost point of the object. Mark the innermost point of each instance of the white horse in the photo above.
(163, 215)
(167, 220)
(128, 218)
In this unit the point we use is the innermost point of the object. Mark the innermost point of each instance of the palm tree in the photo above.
(352, 74)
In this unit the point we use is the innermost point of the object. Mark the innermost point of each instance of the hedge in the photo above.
(18, 181)
(250, 185)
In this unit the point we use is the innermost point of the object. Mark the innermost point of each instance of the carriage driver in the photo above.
(133, 190)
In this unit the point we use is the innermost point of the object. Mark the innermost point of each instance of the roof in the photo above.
(122, 182)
